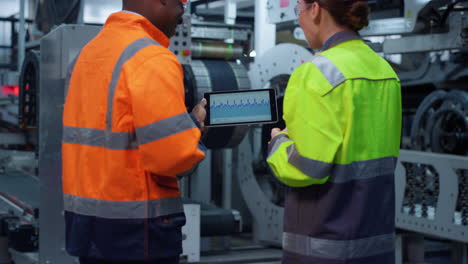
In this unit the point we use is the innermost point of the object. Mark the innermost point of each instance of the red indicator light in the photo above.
(10, 90)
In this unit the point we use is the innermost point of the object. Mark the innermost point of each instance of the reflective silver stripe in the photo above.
(106, 138)
(333, 75)
(277, 141)
(100, 138)
(122, 209)
(363, 170)
(340, 173)
(329, 70)
(128, 53)
(338, 249)
(164, 128)
(128, 140)
(312, 168)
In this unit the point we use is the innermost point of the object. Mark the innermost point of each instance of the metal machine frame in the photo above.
(66, 39)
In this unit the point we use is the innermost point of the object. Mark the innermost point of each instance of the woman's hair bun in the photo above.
(357, 16)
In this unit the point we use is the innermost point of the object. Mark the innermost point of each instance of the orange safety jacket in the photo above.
(126, 135)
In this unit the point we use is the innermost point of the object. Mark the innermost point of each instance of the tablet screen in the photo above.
(252, 106)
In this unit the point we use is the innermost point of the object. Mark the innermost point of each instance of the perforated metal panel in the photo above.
(440, 220)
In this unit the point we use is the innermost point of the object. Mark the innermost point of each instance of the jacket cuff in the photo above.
(192, 115)
(272, 143)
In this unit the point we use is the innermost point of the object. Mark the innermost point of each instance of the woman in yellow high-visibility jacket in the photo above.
(338, 154)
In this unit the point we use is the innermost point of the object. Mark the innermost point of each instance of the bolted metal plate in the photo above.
(280, 11)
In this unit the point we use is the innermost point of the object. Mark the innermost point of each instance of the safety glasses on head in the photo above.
(301, 6)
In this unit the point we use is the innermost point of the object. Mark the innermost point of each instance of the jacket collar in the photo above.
(338, 38)
(128, 19)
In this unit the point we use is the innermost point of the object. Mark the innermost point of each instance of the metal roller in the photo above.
(219, 75)
(213, 50)
(191, 94)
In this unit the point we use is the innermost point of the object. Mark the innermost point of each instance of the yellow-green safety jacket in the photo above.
(343, 114)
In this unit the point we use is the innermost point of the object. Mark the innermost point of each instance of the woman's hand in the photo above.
(276, 131)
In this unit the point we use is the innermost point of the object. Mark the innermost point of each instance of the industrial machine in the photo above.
(425, 41)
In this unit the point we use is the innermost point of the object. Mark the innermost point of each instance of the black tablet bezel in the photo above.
(273, 106)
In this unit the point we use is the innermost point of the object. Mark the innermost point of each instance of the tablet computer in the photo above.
(242, 107)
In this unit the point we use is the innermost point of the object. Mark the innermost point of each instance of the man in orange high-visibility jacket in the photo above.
(126, 136)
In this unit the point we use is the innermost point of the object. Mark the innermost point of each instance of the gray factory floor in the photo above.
(236, 257)
(257, 256)
(245, 251)
(242, 250)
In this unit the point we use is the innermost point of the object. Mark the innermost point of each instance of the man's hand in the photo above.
(199, 112)
(276, 131)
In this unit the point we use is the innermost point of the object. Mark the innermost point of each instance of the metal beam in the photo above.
(220, 4)
(423, 43)
(12, 139)
(22, 34)
(209, 12)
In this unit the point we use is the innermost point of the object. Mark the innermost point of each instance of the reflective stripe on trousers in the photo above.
(338, 249)
(122, 209)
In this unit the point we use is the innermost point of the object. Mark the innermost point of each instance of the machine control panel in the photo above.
(181, 43)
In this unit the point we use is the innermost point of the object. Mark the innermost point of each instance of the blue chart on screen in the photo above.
(240, 107)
